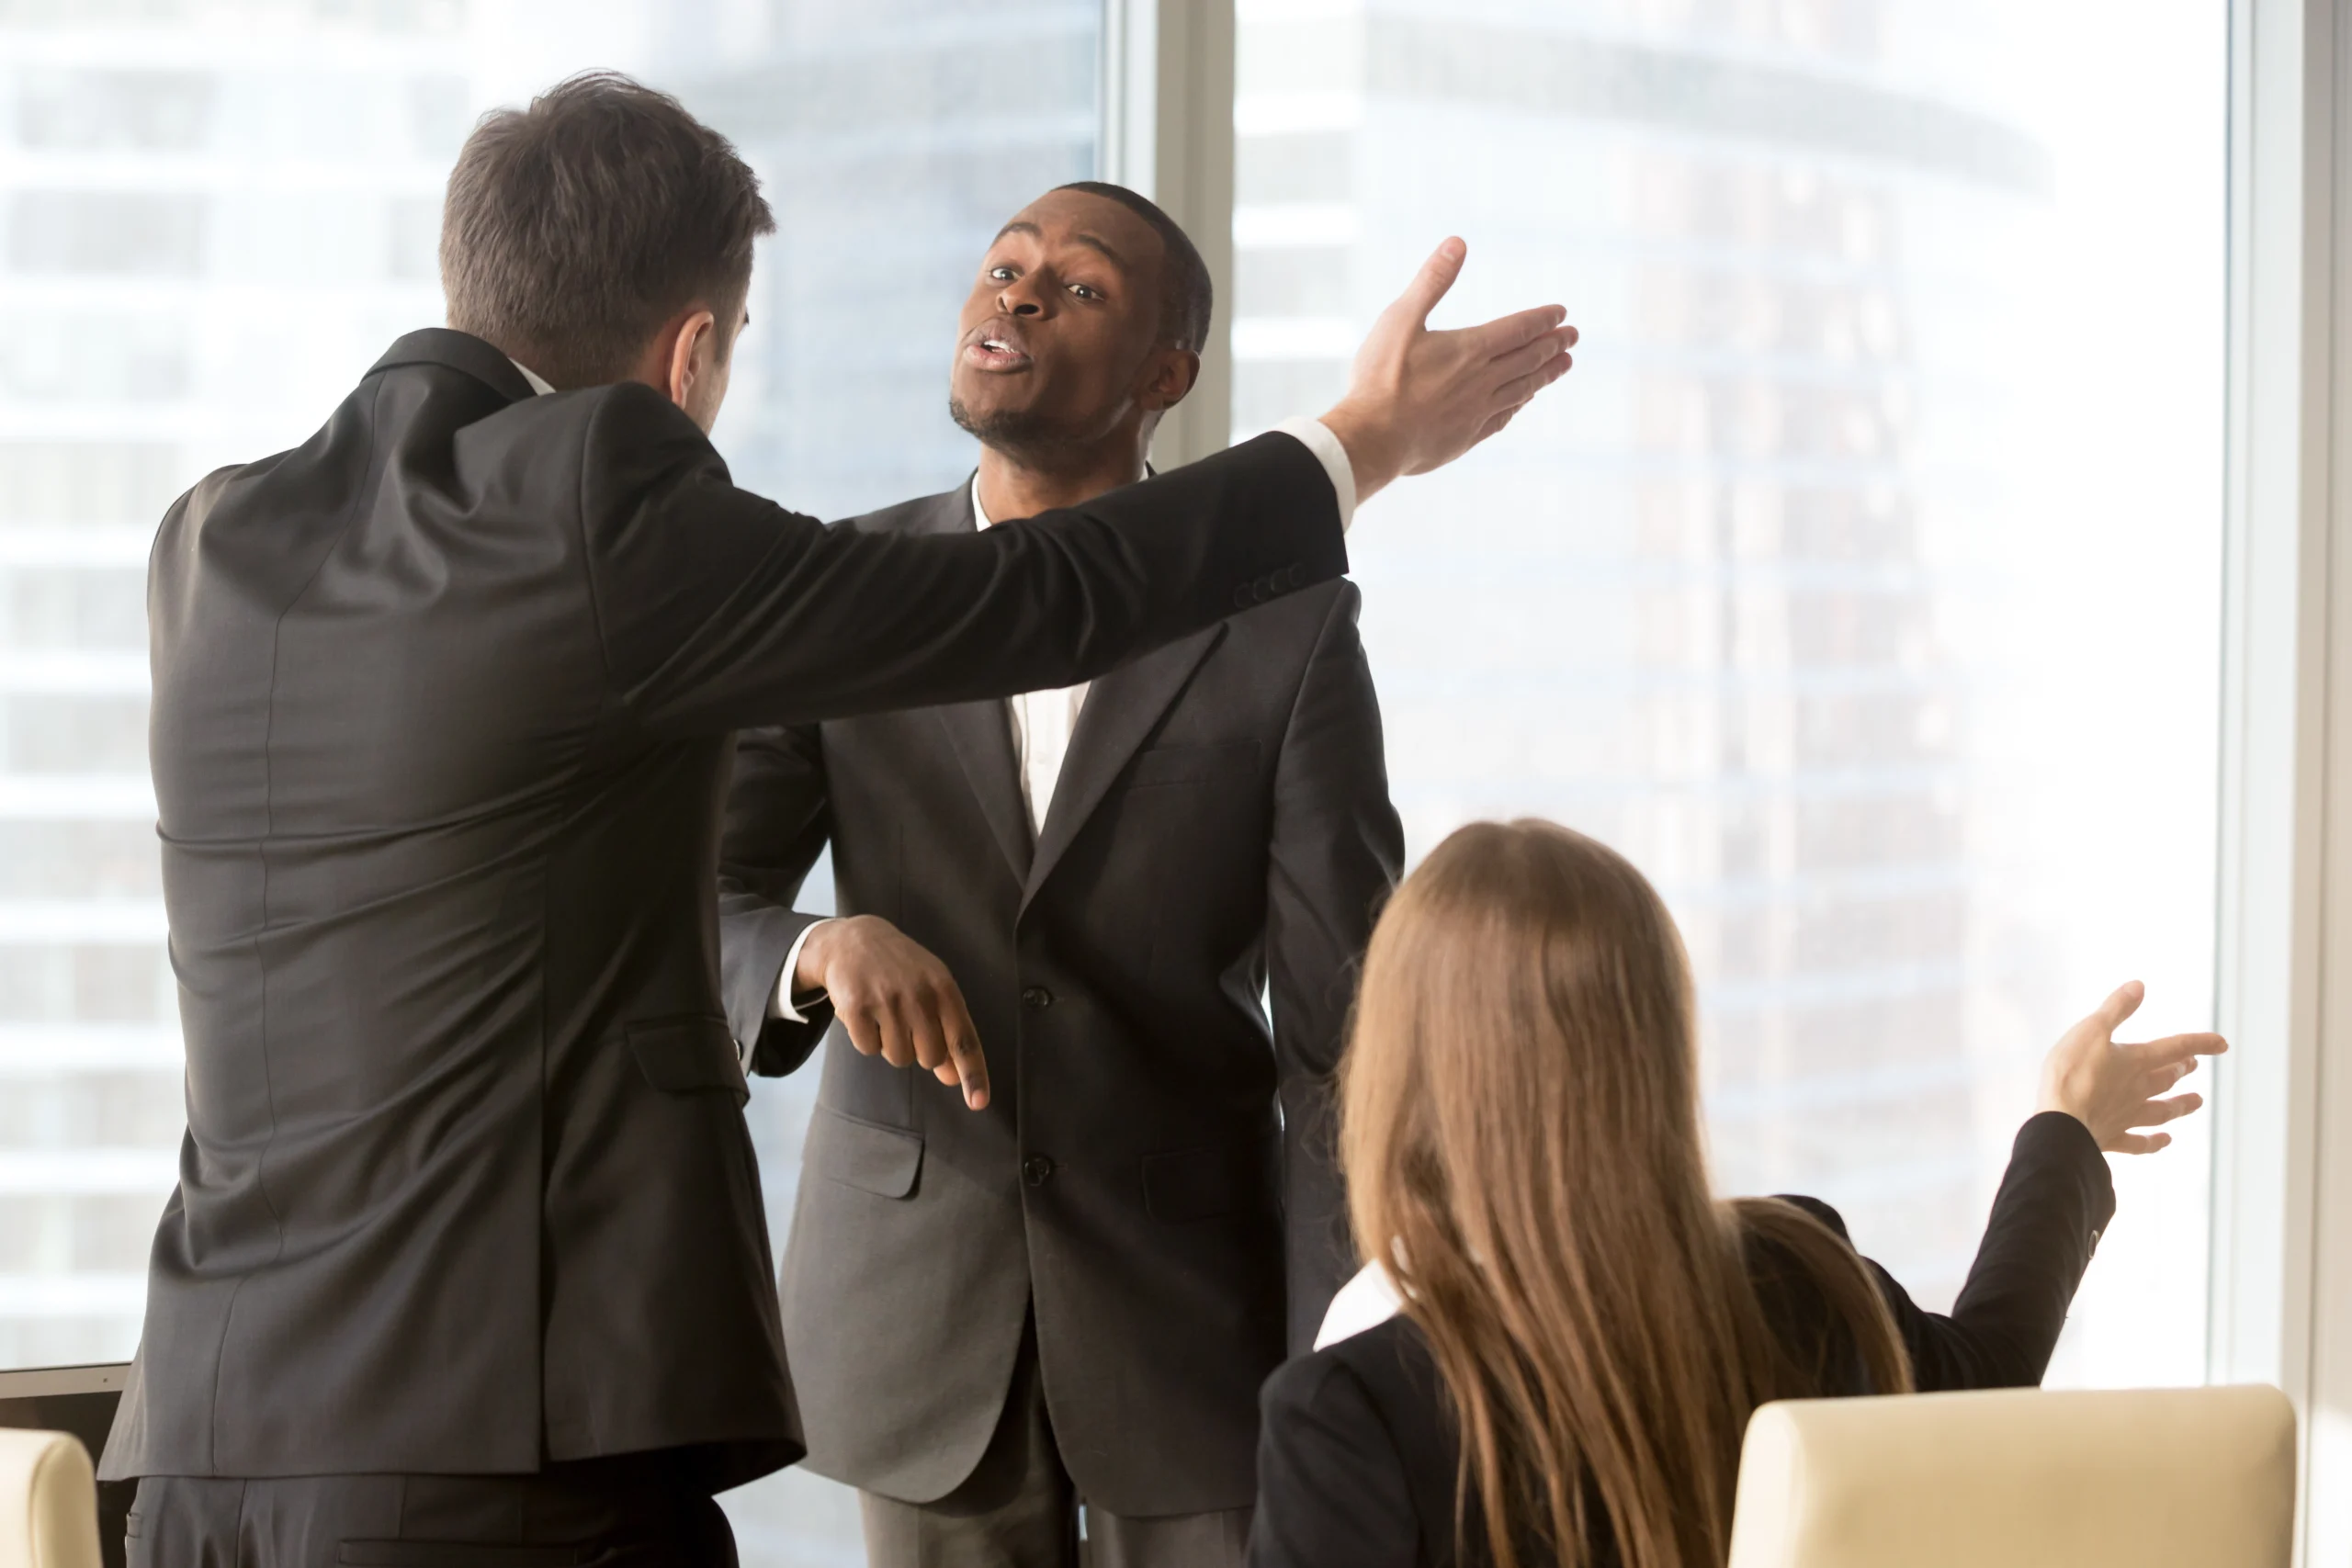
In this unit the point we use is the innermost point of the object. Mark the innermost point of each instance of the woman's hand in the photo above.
(2112, 1088)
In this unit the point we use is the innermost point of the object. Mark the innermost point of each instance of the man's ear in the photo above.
(1169, 374)
(691, 353)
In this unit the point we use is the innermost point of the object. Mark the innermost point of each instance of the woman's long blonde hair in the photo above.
(1520, 1130)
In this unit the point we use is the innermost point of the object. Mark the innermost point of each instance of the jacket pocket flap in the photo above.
(882, 1160)
(1190, 764)
(681, 1056)
(1199, 1184)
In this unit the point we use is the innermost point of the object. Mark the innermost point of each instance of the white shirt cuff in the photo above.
(780, 1005)
(1317, 437)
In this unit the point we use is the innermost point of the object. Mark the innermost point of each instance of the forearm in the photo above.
(757, 941)
(778, 821)
(2054, 1201)
(717, 610)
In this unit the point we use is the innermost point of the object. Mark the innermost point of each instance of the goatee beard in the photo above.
(1017, 433)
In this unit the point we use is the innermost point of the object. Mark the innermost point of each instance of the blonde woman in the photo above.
(1585, 1327)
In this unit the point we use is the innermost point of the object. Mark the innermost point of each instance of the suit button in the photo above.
(1262, 589)
(1241, 599)
(1036, 998)
(1293, 575)
(1036, 1170)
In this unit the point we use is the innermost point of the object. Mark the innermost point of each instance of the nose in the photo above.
(1022, 297)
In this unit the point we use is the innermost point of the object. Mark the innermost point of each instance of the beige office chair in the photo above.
(2151, 1478)
(48, 1502)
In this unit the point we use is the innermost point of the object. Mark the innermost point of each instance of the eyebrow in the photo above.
(1023, 225)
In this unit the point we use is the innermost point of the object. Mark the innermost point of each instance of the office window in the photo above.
(214, 215)
(1861, 581)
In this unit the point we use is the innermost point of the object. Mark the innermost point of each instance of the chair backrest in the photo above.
(2151, 1478)
(48, 1502)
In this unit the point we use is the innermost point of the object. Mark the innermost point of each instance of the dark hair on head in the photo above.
(1186, 295)
(574, 228)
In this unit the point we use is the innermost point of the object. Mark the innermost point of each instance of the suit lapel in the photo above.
(1121, 711)
(981, 734)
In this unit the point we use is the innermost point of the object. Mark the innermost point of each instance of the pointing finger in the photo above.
(964, 1045)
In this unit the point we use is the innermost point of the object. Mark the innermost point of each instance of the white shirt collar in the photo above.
(980, 513)
(540, 387)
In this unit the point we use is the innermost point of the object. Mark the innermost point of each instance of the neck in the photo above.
(1014, 485)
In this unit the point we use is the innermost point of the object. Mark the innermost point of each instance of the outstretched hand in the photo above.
(1417, 399)
(896, 1000)
(2114, 1088)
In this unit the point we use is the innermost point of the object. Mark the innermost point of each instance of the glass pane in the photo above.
(214, 214)
(1861, 581)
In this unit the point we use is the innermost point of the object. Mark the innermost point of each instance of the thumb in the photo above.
(1432, 282)
(2125, 1001)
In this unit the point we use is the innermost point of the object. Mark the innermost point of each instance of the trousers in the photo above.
(1019, 1509)
(629, 1512)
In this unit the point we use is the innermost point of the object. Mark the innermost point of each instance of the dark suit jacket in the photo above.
(1356, 1468)
(1221, 827)
(444, 702)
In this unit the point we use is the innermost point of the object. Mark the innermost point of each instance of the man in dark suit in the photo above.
(466, 1251)
(1076, 1293)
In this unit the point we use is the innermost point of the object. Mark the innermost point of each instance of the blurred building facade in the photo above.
(1686, 604)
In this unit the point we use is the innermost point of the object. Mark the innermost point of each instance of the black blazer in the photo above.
(442, 717)
(1356, 1466)
(1221, 826)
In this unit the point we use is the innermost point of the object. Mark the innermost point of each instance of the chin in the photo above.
(999, 423)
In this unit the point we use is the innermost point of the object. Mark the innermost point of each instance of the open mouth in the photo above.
(993, 351)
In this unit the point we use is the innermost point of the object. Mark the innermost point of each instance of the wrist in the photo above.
(816, 950)
(1371, 451)
(2054, 1098)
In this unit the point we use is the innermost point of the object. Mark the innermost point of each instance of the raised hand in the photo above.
(2113, 1088)
(896, 1000)
(1417, 399)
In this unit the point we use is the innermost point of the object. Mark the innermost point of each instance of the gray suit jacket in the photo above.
(1154, 1176)
(443, 711)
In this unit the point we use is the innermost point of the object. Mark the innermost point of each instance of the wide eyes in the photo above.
(1004, 272)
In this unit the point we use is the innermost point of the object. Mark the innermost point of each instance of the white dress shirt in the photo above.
(1043, 721)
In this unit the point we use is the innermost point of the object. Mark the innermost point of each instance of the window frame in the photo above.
(1162, 60)
(2280, 1276)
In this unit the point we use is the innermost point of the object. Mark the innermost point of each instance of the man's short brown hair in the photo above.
(575, 227)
